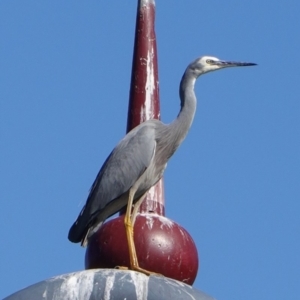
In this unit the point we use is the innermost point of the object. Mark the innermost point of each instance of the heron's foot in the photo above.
(146, 272)
(121, 268)
(138, 269)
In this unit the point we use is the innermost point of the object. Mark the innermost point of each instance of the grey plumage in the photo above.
(140, 158)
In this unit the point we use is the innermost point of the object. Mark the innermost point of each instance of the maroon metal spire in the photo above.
(144, 91)
(162, 245)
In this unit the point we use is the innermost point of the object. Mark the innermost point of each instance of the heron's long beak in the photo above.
(224, 64)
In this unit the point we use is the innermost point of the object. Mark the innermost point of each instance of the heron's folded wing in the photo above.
(126, 163)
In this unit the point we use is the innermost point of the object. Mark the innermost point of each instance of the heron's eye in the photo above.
(209, 61)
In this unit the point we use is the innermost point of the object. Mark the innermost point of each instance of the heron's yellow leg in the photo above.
(134, 264)
(135, 209)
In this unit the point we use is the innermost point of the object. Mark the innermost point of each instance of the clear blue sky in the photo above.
(234, 183)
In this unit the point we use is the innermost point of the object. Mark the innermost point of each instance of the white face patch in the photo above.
(207, 63)
(203, 59)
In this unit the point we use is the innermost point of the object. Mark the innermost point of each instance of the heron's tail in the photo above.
(79, 229)
(77, 232)
(84, 227)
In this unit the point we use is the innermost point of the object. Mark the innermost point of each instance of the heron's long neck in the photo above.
(181, 125)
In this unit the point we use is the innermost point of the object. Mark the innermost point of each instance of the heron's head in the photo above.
(206, 64)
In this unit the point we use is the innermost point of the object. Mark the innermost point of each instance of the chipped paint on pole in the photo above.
(146, 112)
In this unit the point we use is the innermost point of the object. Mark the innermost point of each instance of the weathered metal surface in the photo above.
(144, 93)
(108, 285)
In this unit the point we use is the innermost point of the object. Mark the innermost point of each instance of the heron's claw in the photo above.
(121, 268)
(146, 272)
(138, 269)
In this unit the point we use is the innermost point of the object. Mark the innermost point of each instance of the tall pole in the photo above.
(144, 90)
(162, 245)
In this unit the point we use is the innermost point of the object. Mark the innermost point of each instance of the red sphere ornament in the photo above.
(162, 246)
